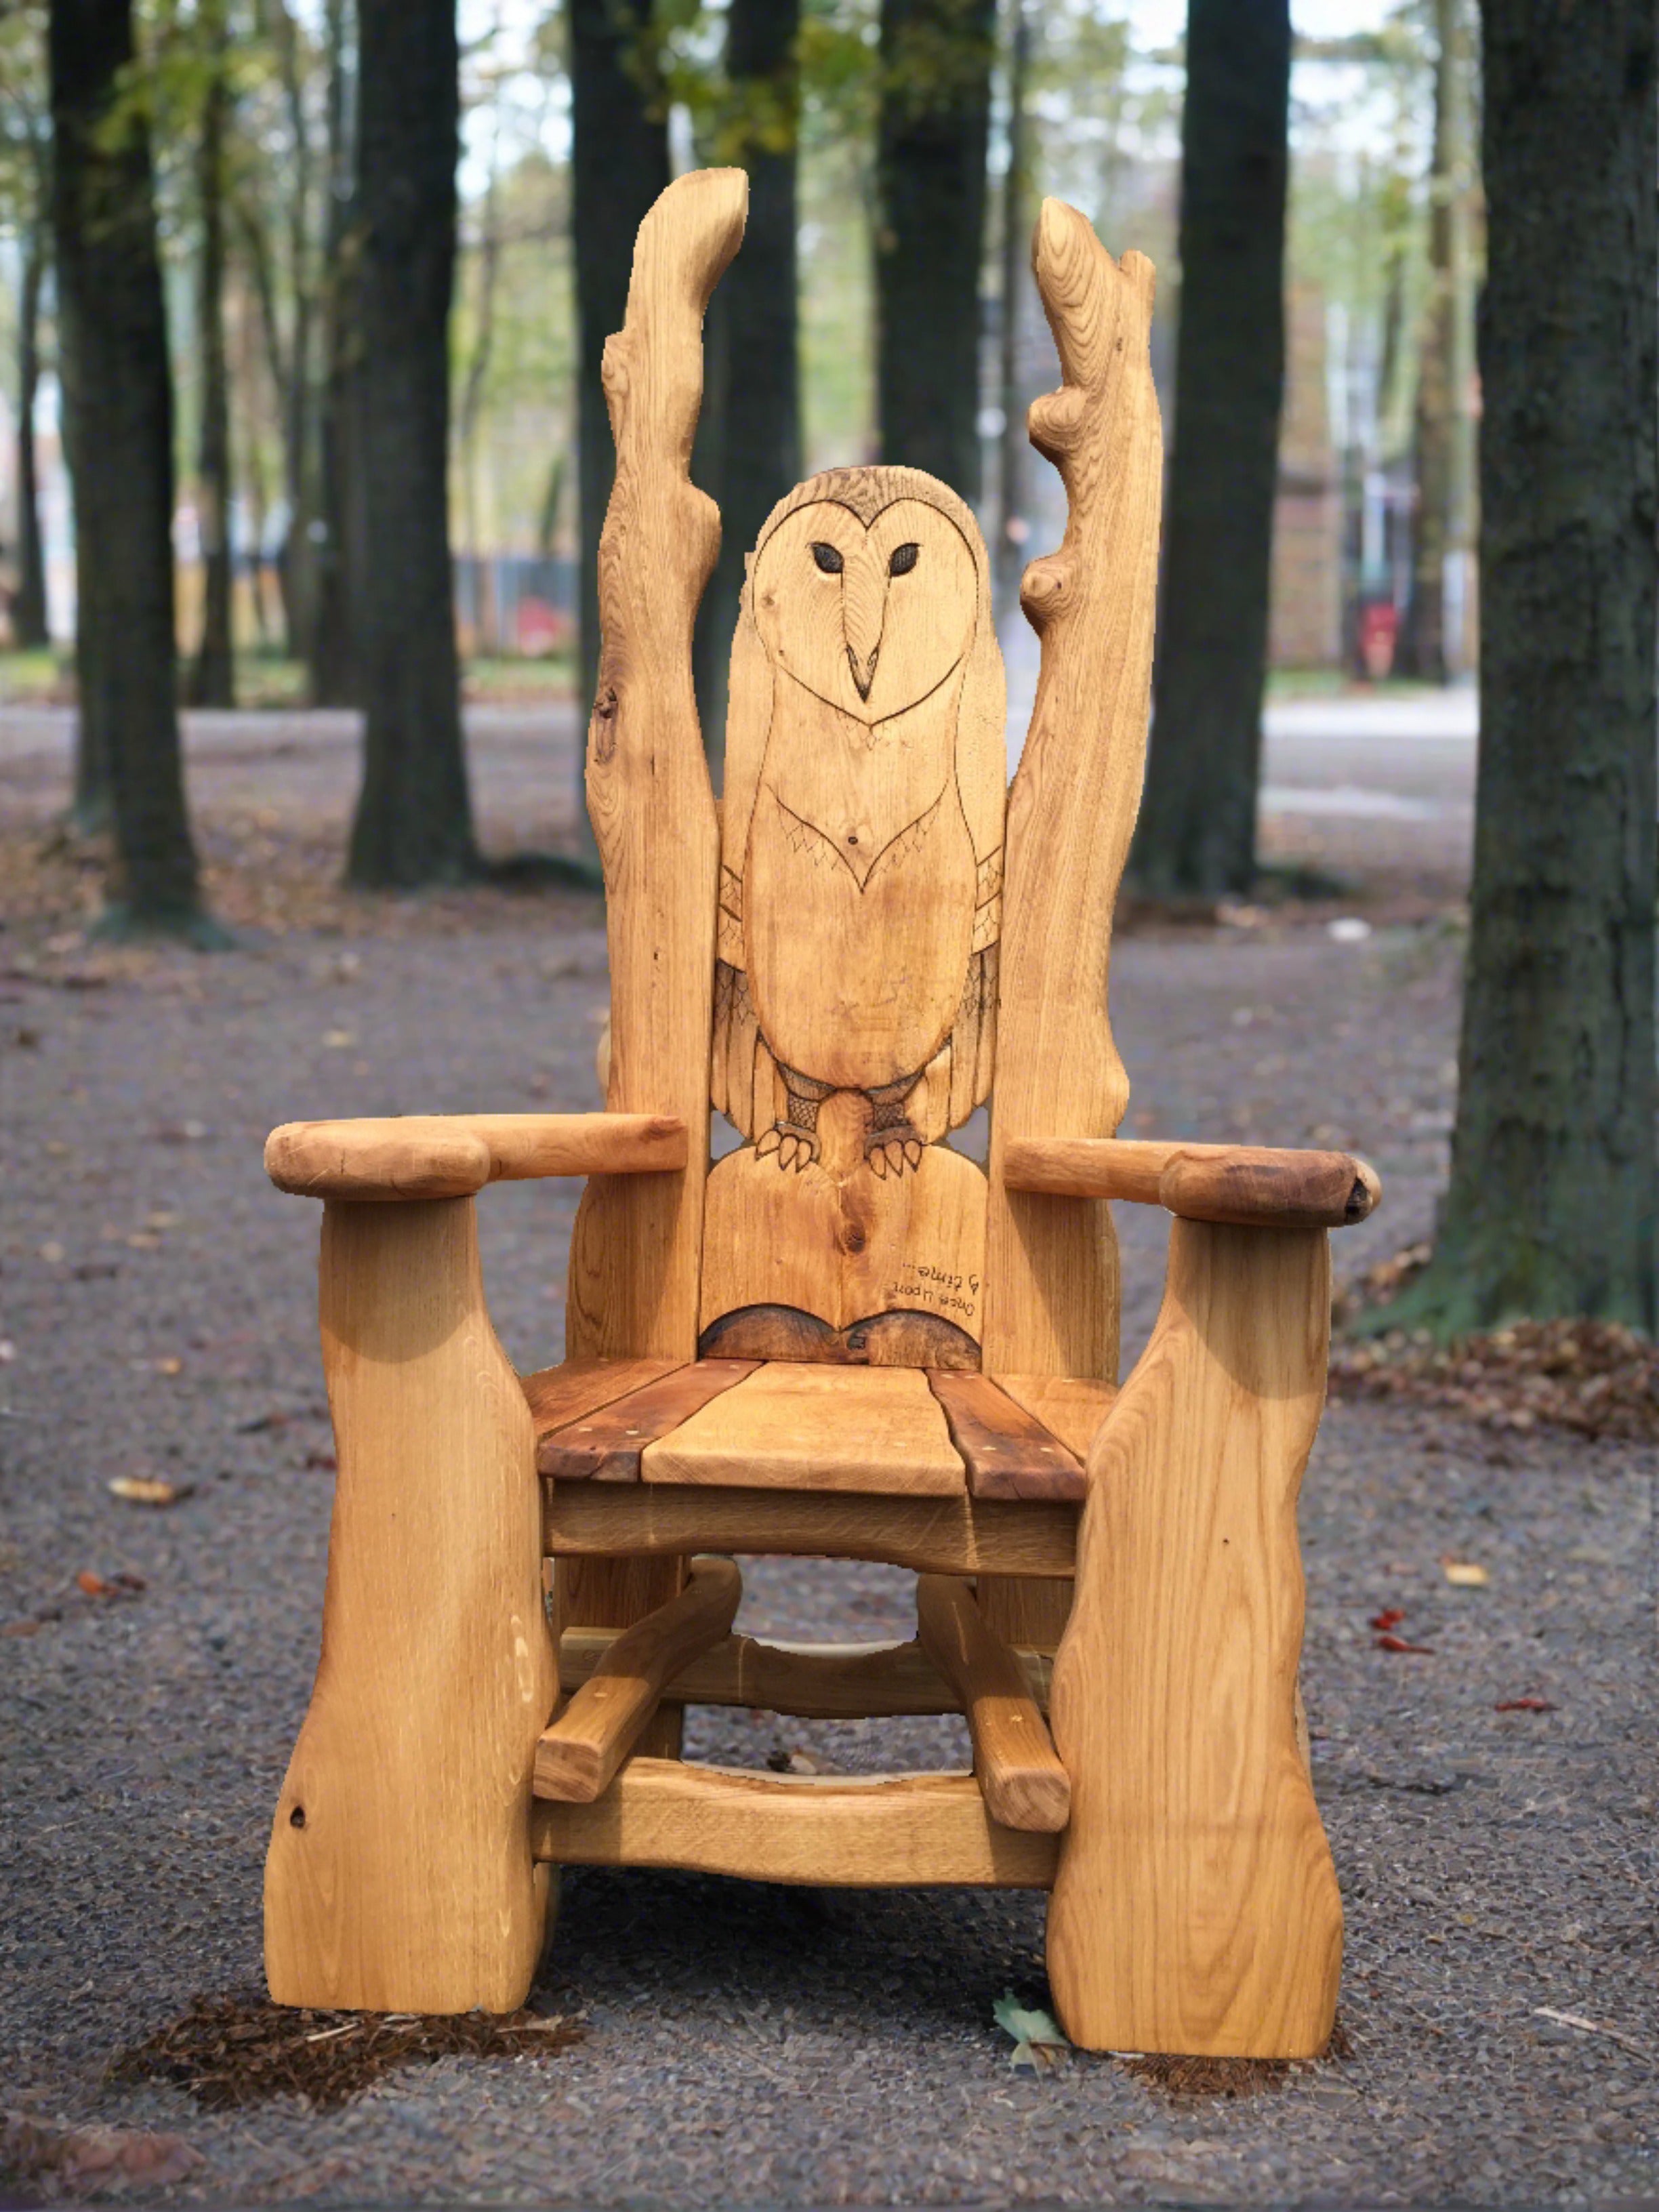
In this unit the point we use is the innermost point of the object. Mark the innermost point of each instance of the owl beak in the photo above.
(863, 613)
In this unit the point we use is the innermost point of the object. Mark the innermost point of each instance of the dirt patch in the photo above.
(234, 2050)
(1229, 2077)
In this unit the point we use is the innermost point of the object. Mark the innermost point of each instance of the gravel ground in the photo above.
(746, 2045)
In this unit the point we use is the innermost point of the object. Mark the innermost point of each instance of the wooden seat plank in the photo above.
(1070, 1407)
(796, 1425)
(910, 1830)
(1007, 1450)
(558, 1396)
(604, 1444)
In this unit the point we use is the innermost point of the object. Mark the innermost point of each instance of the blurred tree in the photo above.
(414, 819)
(1551, 1204)
(1443, 449)
(25, 189)
(619, 163)
(113, 341)
(936, 59)
(749, 441)
(333, 519)
(211, 681)
(1008, 554)
(1197, 834)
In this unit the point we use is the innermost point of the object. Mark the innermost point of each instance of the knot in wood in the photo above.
(1044, 588)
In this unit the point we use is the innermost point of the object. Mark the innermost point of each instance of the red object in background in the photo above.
(1379, 635)
(1389, 1619)
(538, 628)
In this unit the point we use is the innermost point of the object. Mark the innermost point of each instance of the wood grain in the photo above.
(1247, 1185)
(813, 1681)
(1196, 1907)
(399, 1876)
(1051, 1264)
(557, 1395)
(579, 1752)
(956, 1535)
(799, 1426)
(1070, 1407)
(910, 1830)
(453, 1155)
(1007, 1453)
(604, 1445)
(1024, 1783)
(635, 1252)
(861, 894)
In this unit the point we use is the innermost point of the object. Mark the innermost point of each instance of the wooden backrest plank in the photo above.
(1050, 1263)
(859, 904)
(635, 1252)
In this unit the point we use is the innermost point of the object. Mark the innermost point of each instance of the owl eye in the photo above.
(904, 559)
(827, 558)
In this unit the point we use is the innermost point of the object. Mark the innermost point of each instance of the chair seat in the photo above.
(791, 1424)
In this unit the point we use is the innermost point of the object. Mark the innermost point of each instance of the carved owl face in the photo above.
(872, 619)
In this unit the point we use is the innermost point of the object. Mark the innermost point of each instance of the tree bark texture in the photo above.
(414, 819)
(212, 680)
(113, 343)
(1551, 1205)
(619, 164)
(930, 178)
(1197, 836)
(329, 629)
(29, 610)
(753, 394)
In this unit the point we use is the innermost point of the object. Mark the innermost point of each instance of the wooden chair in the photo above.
(844, 1338)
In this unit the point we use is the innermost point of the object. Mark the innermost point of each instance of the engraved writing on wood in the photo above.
(860, 911)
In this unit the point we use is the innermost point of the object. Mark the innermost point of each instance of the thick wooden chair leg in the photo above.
(1195, 1906)
(399, 1877)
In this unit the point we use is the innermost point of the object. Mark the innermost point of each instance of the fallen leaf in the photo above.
(1038, 2041)
(118, 1585)
(1525, 1705)
(160, 1221)
(797, 1762)
(1463, 1574)
(340, 1040)
(325, 1461)
(1390, 1617)
(148, 1490)
(169, 1365)
(1399, 1643)
(53, 1253)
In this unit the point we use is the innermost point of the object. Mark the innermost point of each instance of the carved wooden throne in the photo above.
(844, 1338)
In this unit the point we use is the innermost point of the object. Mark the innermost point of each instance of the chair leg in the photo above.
(399, 1877)
(615, 1592)
(1195, 1908)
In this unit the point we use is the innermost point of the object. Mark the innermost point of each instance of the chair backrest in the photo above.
(835, 958)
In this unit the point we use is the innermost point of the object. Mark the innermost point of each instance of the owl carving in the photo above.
(862, 825)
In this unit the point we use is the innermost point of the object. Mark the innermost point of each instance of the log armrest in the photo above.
(453, 1155)
(1248, 1186)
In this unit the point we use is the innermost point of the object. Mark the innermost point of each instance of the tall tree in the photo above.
(28, 607)
(1551, 1207)
(934, 123)
(414, 818)
(112, 339)
(334, 523)
(618, 164)
(752, 404)
(212, 681)
(1441, 455)
(1197, 835)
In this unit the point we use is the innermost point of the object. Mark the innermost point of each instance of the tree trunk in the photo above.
(28, 611)
(1197, 836)
(619, 164)
(754, 390)
(212, 681)
(113, 334)
(1008, 554)
(331, 528)
(414, 820)
(930, 183)
(1551, 1207)
(1439, 496)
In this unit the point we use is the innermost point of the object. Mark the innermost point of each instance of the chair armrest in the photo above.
(1245, 1185)
(453, 1155)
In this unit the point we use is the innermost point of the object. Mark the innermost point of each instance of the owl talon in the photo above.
(795, 1147)
(890, 1151)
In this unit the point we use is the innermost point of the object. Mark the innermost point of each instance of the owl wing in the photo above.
(742, 1079)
